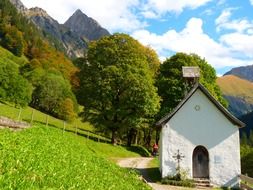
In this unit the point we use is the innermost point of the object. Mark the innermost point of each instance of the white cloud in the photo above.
(251, 1)
(224, 17)
(224, 22)
(112, 14)
(192, 39)
(115, 15)
(149, 14)
(241, 43)
(164, 6)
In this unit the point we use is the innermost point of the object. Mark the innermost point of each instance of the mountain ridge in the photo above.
(244, 72)
(91, 30)
(73, 36)
(238, 92)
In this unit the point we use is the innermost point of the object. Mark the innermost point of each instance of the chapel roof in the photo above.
(199, 86)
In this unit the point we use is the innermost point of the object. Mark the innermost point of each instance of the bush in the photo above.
(247, 160)
(180, 179)
(184, 183)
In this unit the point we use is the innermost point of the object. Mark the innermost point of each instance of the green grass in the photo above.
(45, 158)
(78, 126)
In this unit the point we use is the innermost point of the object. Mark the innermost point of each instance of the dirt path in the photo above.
(141, 164)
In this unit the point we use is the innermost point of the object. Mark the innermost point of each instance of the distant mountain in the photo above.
(71, 43)
(72, 37)
(238, 92)
(85, 26)
(245, 72)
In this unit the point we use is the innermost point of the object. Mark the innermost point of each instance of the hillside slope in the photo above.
(238, 92)
(244, 72)
(46, 158)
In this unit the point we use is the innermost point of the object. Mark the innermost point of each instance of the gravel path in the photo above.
(141, 164)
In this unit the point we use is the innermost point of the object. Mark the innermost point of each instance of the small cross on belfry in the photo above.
(178, 157)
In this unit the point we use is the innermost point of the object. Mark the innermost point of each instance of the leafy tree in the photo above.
(13, 40)
(67, 111)
(13, 87)
(244, 139)
(117, 84)
(172, 86)
(50, 95)
(251, 138)
(247, 160)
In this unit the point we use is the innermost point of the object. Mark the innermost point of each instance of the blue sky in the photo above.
(221, 31)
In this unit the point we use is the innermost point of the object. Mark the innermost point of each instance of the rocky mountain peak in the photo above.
(36, 11)
(19, 5)
(72, 37)
(85, 26)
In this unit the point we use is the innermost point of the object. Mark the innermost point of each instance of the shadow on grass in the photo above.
(151, 175)
(139, 150)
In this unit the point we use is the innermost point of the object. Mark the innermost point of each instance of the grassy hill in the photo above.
(238, 92)
(235, 86)
(26, 114)
(45, 158)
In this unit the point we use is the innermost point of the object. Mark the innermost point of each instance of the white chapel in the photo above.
(205, 135)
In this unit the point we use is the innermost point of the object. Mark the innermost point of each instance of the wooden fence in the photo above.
(246, 182)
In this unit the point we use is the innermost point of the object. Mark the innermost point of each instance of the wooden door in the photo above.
(200, 165)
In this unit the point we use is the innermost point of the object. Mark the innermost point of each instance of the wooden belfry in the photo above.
(191, 76)
(191, 73)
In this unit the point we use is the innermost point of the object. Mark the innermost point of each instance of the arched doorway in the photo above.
(200, 162)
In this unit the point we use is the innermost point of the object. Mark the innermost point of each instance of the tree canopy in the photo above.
(117, 84)
(172, 86)
(13, 87)
(53, 95)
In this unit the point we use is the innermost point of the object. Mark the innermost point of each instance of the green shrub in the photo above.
(179, 179)
(184, 183)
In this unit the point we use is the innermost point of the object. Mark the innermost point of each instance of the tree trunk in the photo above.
(147, 138)
(113, 139)
(130, 136)
(157, 136)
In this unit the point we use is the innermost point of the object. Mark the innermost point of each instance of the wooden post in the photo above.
(32, 116)
(64, 126)
(19, 114)
(76, 128)
(47, 121)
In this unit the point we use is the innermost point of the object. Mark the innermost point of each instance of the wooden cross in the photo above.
(178, 157)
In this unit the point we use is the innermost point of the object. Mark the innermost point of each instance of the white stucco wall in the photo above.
(208, 127)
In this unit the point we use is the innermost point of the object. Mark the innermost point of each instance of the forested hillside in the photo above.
(49, 72)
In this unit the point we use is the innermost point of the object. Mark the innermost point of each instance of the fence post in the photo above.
(76, 128)
(19, 114)
(64, 126)
(47, 121)
(32, 116)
